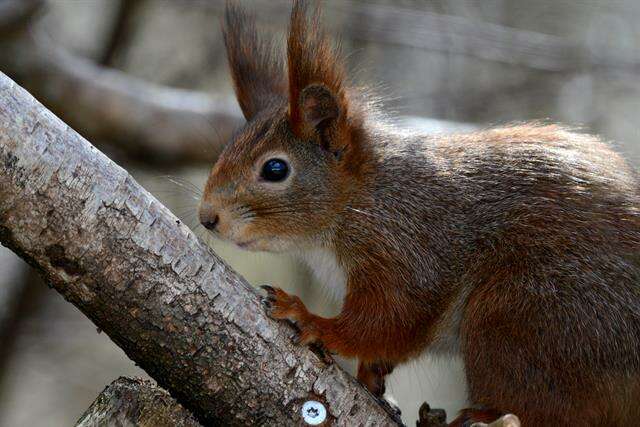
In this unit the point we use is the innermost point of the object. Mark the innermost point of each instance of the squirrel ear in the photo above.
(258, 74)
(316, 72)
(318, 105)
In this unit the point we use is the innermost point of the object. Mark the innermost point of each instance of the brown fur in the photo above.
(256, 69)
(311, 59)
(517, 247)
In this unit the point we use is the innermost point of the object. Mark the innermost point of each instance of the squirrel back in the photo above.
(517, 248)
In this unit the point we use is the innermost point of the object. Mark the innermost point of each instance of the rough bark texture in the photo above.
(136, 402)
(141, 276)
(145, 120)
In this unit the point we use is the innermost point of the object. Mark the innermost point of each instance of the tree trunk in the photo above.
(142, 277)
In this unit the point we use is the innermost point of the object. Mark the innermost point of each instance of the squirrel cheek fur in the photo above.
(516, 248)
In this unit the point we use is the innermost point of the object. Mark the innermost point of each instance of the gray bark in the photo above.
(141, 276)
(136, 402)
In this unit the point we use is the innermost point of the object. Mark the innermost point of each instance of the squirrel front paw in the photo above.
(281, 305)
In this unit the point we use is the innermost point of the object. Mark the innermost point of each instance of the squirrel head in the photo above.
(287, 173)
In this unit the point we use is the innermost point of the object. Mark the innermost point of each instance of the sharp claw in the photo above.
(268, 288)
(296, 339)
(389, 405)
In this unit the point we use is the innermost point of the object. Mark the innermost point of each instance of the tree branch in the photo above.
(141, 276)
(136, 402)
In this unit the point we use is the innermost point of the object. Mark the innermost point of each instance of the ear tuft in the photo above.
(316, 72)
(318, 105)
(258, 73)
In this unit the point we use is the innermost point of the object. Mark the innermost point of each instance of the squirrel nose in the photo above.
(211, 224)
(209, 218)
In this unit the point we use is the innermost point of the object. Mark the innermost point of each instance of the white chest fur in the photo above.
(326, 269)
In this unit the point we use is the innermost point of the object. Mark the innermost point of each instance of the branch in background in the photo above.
(142, 277)
(461, 36)
(122, 30)
(161, 124)
(136, 402)
(456, 35)
(146, 121)
(14, 15)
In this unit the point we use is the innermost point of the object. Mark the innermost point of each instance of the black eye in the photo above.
(275, 170)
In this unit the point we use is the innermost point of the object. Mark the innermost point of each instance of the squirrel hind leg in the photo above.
(372, 375)
(484, 418)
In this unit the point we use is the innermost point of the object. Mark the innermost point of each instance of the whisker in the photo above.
(240, 209)
(188, 216)
(184, 184)
(184, 209)
(290, 205)
(278, 212)
(170, 191)
(361, 211)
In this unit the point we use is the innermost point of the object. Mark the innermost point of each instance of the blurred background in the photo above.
(147, 82)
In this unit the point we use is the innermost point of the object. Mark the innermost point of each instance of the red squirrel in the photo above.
(516, 248)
